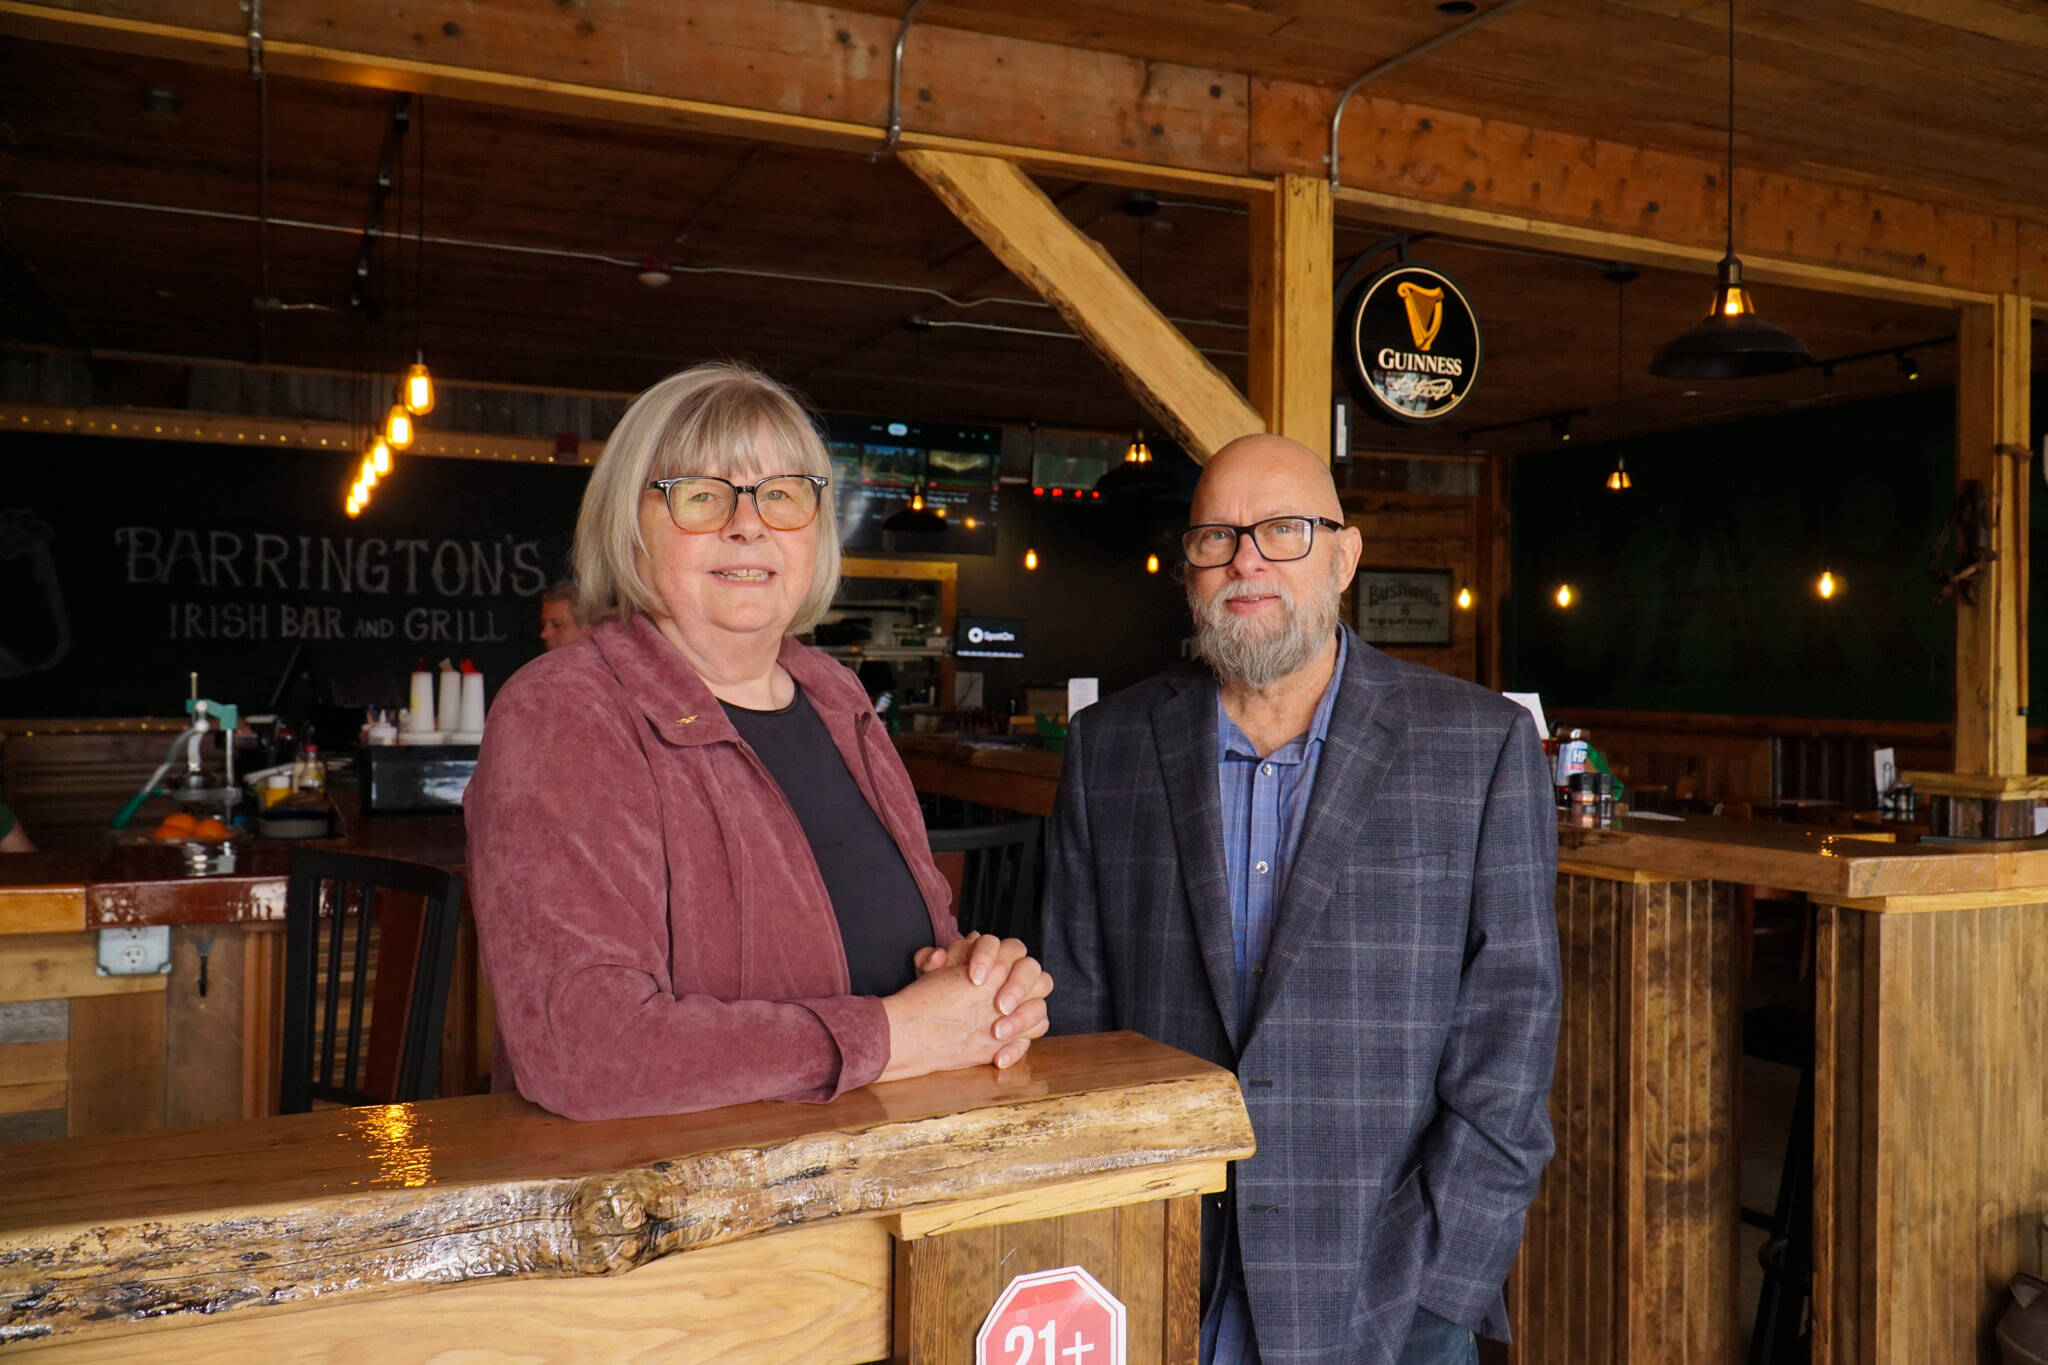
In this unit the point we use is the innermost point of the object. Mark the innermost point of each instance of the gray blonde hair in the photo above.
(708, 419)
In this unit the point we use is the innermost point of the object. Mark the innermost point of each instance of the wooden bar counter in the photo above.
(880, 1226)
(1931, 1094)
(83, 1054)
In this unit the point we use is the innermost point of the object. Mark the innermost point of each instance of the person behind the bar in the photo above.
(1331, 872)
(700, 873)
(13, 838)
(559, 623)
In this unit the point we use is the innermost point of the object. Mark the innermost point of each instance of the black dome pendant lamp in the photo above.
(1731, 342)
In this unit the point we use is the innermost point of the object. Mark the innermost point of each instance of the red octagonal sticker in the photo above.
(1053, 1317)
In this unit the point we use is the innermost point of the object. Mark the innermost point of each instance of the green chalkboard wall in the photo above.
(1703, 597)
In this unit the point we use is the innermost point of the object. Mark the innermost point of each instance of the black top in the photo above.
(882, 916)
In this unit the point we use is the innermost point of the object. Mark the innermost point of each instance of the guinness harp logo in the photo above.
(1409, 345)
(1425, 311)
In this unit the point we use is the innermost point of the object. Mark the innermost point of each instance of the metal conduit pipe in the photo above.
(1426, 45)
(567, 254)
(896, 83)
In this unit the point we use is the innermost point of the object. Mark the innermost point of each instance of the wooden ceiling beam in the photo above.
(792, 72)
(1072, 271)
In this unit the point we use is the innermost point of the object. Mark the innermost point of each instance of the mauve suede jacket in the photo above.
(648, 912)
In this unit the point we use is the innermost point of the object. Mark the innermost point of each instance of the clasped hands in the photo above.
(978, 1001)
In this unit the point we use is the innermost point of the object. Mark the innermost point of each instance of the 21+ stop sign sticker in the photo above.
(1053, 1317)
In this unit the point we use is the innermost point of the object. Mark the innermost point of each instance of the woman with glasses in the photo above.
(699, 870)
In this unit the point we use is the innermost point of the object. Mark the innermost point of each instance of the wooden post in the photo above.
(1991, 449)
(1291, 310)
(1071, 271)
(1496, 567)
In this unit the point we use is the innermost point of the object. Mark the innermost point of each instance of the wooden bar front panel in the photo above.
(1147, 1255)
(1931, 1128)
(1630, 1253)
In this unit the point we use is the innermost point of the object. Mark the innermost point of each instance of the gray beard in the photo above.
(1251, 654)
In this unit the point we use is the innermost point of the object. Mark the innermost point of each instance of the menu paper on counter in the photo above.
(1532, 703)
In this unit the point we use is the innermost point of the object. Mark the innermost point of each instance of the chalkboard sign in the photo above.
(126, 565)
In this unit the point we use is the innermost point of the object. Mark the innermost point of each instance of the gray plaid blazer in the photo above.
(1397, 1059)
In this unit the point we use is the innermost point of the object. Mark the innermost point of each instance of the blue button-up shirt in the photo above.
(1265, 802)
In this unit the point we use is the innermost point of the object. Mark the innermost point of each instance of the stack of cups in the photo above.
(419, 717)
(471, 731)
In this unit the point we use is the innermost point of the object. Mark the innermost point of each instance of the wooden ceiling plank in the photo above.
(1509, 182)
(1187, 393)
(1174, 152)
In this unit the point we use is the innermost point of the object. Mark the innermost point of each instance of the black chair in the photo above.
(998, 876)
(1784, 1312)
(369, 944)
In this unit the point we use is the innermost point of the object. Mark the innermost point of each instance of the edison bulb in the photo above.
(1031, 558)
(380, 456)
(1564, 594)
(1826, 586)
(1464, 599)
(1151, 563)
(398, 427)
(419, 389)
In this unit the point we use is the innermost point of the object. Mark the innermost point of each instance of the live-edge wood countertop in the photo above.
(101, 1234)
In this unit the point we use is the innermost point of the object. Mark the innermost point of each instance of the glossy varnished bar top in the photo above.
(49, 893)
(1840, 867)
(102, 1238)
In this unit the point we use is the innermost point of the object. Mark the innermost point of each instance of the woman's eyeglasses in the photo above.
(1277, 538)
(702, 503)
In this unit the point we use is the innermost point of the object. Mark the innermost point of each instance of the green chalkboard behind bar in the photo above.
(125, 565)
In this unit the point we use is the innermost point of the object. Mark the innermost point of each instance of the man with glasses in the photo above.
(1331, 872)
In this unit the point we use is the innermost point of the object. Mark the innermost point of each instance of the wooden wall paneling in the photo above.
(1141, 1253)
(203, 1034)
(1993, 349)
(1493, 580)
(61, 966)
(32, 1024)
(1681, 1257)
(1292, 275)
(1631, 1247)
(262, 1017)
(1422, 531)
(1566, 1278)
(1845, 1099)
(1939, 1156)
(117, 1064)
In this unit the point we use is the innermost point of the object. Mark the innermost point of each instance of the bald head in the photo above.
(1255, 477)
(1262, 619)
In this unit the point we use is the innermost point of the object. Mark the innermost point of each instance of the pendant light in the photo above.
(398, 427)
(1731, 342)
(417, 388)
(1621, 273)
(1031, 509)
(1138, 476)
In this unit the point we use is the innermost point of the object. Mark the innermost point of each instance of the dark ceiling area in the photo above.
(133, 192)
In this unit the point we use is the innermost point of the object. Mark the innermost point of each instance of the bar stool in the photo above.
(995, 890)
(369, 945)
(1782, 1334)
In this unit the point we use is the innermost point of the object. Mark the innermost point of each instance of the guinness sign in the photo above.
(1409, 344)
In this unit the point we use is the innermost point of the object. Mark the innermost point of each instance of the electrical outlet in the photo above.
(135, 952)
